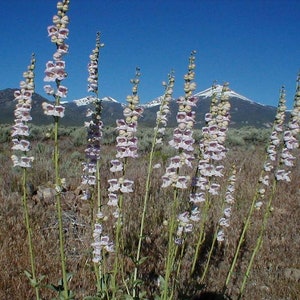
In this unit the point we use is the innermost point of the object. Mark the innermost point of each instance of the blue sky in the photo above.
(254, 45)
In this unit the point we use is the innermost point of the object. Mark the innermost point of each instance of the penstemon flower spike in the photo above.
(20, 133)
(127, 147)
(55, 73)
(212, 151)
(286, 160)
(183, 142)
(263, 180)
(161, 123)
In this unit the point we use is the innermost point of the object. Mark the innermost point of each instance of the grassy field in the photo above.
(275, 273)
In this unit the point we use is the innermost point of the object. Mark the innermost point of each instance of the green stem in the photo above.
(29, 235)
(258, 241)
(240, 242)
(117, 249)
(146, 198)
(59, 210)
(201, 235)
(172, 248)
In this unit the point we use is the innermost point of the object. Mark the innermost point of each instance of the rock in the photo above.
(292, 274)
(46, 194)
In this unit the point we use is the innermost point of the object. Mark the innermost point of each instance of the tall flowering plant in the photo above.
(159, 130)
(209, 168)
(21, 147)
(55, 73)
(264, 184)
(174, 176)
(91, 176)
(119, 185)
(285, 161)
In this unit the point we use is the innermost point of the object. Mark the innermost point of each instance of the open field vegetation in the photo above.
(128, 212)
(271, 276)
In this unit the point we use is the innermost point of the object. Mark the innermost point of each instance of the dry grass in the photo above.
(268, 279)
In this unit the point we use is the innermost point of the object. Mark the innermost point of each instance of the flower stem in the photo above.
(172, 248)
(29, 235)
(259, 240)
(59, 210)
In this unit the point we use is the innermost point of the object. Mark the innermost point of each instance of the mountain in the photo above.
(75, 115)
(244, 112)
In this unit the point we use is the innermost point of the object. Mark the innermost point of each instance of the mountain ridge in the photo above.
(244, 112)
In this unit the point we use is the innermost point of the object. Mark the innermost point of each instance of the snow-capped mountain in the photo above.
(244, 112)
(207, 93)
(156, 102)
(218, 89)
(87, 100)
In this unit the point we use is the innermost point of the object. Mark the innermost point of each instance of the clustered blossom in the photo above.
(55, 69)
(224, 222)
(212, 149)
(290, 139)
(93, 67)
(20, 130)
(183, 139)
(101, 242)
(94, 126)
(127, 146)
(272, 149)
(164, 109)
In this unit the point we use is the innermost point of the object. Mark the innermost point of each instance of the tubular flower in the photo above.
(224, 221)
(95, 125)
(164, 109)
(55, 69)
(271, 152)
(183, 139)
(290, 138)
(212, 148)
(126, 146)
(20, 130)
(101, 242)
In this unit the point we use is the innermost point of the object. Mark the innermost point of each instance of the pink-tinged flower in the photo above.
(265, 180)
(23, 161)
(202, 183)
(116, 165)
(89, 180)
(268, 167)
(227, 212)
(290, 141)
(62, 91)
(22, 145)
(214, 189)
(126, 186)
(23, 115)
(49, 89)
(20, 129)
(223, 222)
(229, 199)
(258, 205)
(220, 236)
(89, 167)
(167, 181)
(195, 215)
(53, 110)
(52, 30)
(197, 198)
(283, 175)
(113, 199)
(183, 218)
(182, 181)
(175, 162)
(114, 185)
